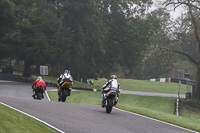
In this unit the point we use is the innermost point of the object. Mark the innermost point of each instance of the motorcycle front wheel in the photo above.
(109, 105)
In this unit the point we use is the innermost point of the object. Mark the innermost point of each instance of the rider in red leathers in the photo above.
(38, 82)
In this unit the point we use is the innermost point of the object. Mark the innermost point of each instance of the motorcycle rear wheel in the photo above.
(63, 95)
(109, 105)
(39, 96)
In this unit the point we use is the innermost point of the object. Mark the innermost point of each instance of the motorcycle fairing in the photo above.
(66, 85)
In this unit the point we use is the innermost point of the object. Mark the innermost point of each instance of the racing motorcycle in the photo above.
(65, 90)
(39, 92)
(111, 99)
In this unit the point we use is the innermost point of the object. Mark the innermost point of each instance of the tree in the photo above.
(129, 32)
(156, 63)
(91, 38)
(83, 21)
(7, 24)
(192, 30)
(36, 25)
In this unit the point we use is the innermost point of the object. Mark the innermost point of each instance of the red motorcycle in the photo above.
(39, 92)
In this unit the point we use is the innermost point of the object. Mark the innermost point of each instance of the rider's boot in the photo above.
(33, 93)
(69, 92)
(116, 100)
(103, 101)
(59, 96)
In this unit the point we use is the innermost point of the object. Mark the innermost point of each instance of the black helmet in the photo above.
(113, 77)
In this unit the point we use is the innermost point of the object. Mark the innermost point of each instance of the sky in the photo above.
(174, 14)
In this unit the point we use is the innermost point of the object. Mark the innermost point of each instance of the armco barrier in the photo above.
(16, 78)
(31, 80)
(183, 81)
(175, 80)
(22, 79)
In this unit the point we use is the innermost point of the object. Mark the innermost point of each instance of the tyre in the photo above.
(63, 95)
(39, 95)
(109, 105)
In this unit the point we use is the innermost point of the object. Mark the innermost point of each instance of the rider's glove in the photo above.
(118, 90)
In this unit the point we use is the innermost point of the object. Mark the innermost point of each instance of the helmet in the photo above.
(113, 77)
(39, 77)
(67, 71)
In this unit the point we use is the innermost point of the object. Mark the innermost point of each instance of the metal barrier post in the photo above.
(178, 99)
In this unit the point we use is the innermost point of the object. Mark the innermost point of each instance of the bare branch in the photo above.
(179, 3)
(189, 4)
(179, 52)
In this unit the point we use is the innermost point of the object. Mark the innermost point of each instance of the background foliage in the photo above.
(91, 38)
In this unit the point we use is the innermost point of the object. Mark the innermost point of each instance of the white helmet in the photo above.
(67, 71)
(113, 77)
(39, 77)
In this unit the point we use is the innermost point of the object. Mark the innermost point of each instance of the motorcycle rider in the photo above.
(38, 82)
(61, 80)
(111, 83)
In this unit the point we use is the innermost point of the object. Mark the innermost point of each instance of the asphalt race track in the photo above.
(79, 118)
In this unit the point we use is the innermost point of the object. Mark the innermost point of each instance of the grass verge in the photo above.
(146, 86)
(83, 97)
(160, 108)
(129, 84)
(12, 121)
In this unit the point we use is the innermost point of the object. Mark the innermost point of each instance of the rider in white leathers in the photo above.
(111, 83)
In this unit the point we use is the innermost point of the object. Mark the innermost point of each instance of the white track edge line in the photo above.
(49, 125)
(156, 120)
(47, 96)
(142, 116)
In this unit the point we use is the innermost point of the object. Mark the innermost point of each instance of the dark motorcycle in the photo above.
(65, 91)
(39, 91)
(111, 99)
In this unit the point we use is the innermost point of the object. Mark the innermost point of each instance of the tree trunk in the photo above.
(197, 86)
(27, 69)
(37, 69)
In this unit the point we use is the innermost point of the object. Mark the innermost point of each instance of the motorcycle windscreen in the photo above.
(66, 85)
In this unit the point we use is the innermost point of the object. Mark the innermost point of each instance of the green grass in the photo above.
(12, 121)
(83, 97)
(191, 109)
(146, 86)
(129, 84)
(160, 108)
